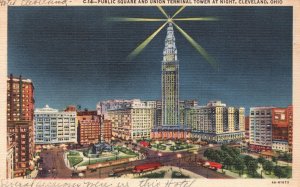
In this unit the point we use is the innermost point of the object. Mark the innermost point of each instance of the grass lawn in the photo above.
(74, 153)
(73, 160)
(103, 159)
(180, 147)
(159, 146)
(178, 175)
(125, 150)
(160, 174)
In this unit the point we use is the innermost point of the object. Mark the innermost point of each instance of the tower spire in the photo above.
(170, 82)
(170, 50)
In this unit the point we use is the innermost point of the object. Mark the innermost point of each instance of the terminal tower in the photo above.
(170, 127)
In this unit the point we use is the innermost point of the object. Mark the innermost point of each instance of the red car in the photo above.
(210, 164)
(145, 144)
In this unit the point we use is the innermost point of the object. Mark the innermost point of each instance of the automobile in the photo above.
(112, 174)
(146, 167)
(93, 170)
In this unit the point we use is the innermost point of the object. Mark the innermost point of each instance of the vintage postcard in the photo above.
(154, 93)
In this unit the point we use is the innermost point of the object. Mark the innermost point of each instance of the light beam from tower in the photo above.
(169, 19)
(120, 19)
(163, 11)
(137, 50)
(197, 46)
(178, 11)
(197, 19)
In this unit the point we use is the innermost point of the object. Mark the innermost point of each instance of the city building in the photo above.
(216, 123)
(106, 129)
(88, 127)
(70, 108)
(54, 127)
(271, 128)
(20, 101)
(170, 81)
(133, 120)
(20, 106)
(10, 152)
(290, 127)
(260, 128)
(247, 128)
(282, 123)
(170, 126)
(104, 106)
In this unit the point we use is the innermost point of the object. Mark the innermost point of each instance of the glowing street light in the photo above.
(195, 153)
(206, 164)
(159, 155)
(179, 157)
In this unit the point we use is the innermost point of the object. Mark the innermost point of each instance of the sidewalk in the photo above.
(234, 175)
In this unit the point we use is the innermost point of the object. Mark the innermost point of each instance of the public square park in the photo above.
(173, 159)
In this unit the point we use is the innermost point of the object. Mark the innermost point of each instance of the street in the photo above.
(53, 165)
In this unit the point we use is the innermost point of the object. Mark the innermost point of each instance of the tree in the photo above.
(261, 160)
(239, 165)
(275, 159)
(287, 157)
(224, 147)
(223, 155)
(216, 156)
(208, 153)
(268, 166)
(252, 166)
(228, 161)
(278, 172)
(247, 159)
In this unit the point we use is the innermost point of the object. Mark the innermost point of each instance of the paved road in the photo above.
(54, 166)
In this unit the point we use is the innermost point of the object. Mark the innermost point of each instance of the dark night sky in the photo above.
(75, 56)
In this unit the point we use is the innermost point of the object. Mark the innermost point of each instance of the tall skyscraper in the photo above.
(170, 81)
(20, 105)
(169, 127)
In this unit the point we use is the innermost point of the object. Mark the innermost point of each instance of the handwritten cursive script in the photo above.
(33, 2)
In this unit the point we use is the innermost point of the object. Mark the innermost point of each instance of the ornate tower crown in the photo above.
(170, 51)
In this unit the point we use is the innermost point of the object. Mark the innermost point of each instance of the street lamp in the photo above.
(179, 157)
(188, 142)
(206, 164)
(159, 155)
(195, 153)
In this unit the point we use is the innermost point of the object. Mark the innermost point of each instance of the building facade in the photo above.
(10, 156)
(106, 128)
(132, 121)
(282, 123)
(54, 127)
(170, 81)
(290, 127)
(20, 105)
(247, 135)
(260, 128)
(168, 122)
(88, 127)
(217, 123)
